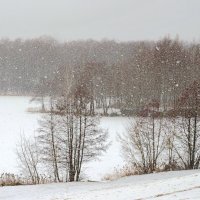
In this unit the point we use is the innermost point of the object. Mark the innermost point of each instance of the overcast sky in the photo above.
(121, 20)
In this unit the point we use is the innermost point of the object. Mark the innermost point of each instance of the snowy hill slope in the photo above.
(166, 185)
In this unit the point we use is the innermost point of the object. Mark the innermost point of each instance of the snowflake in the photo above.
(157, 48)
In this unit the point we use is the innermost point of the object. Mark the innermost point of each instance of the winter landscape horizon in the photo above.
(99, 100)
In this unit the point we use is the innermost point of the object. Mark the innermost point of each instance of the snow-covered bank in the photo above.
(166, 185)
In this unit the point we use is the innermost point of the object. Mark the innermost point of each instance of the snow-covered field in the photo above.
(14, 120)
(167, 185)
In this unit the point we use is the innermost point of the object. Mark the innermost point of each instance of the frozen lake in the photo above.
(14, 120)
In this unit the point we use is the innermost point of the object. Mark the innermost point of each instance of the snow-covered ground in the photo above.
(14, 120)
(167, 185)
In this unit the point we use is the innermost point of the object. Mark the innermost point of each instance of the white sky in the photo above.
(98, 19)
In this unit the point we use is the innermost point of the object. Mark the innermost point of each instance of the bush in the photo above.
(132, 170)
(123, 172)
(8, 179)
(114, 114)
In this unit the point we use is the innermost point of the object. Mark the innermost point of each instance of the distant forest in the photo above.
(114, 74)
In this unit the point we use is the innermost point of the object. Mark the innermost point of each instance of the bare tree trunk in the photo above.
(57, 178)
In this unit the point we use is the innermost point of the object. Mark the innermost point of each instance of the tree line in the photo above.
(118, 75)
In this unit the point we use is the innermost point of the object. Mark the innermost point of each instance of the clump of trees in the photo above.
(68, 137)
(159, 143)
(144, 141)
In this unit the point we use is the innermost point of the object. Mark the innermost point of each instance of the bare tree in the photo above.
(48, 142)
(81, 137)
(188, 126)
(145, 140)
(28, 156)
